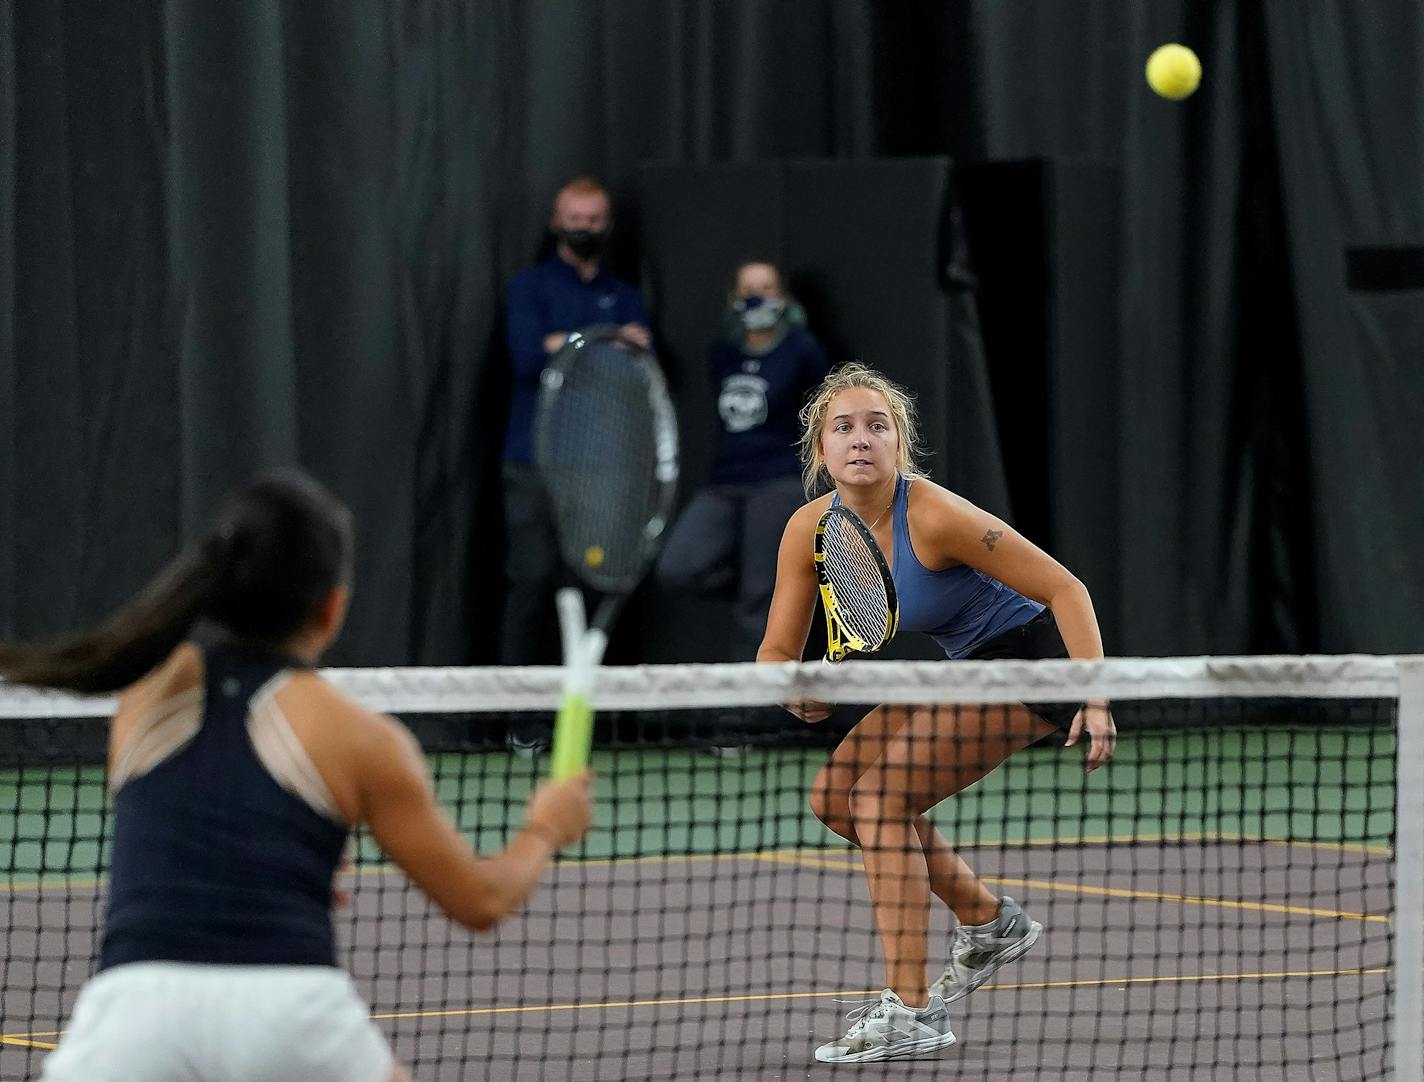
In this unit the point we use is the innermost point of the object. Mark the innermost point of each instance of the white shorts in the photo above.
(174, 1022)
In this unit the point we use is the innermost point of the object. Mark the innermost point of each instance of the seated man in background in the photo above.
(568, 292)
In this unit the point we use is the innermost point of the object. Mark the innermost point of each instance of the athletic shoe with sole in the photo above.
(977, 954)
(887, 1029)
(527, 744)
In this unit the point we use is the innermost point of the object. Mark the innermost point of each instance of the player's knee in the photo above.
(871, 800)
(832, 808)
(825, 806)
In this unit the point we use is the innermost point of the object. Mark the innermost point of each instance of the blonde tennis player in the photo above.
(981, 591)
(237, 775)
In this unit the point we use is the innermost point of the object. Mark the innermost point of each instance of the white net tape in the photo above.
(659, 687)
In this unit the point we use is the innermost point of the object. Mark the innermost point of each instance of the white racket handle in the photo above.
(572, 621)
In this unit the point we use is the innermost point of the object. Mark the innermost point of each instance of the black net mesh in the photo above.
(1215, 902)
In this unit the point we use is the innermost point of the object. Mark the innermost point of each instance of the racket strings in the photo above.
(857, 582)
(598, 444)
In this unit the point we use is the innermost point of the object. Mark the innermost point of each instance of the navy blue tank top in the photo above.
(960, 607)
(212, 860)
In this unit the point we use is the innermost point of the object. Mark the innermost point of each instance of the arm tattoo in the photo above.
(991, 538)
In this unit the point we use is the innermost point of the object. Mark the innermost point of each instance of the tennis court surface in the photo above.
(1216, 902)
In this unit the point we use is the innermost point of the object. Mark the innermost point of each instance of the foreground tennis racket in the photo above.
(857, 591)
(605, 442)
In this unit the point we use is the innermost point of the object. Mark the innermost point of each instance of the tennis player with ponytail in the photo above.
(981, 591)
(237, 775)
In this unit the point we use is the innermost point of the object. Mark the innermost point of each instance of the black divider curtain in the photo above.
(237, 235)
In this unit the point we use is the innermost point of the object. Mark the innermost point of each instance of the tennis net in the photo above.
(1219, 901)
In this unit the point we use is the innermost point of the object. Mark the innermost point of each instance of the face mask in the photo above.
(759, 313)
(584, 243)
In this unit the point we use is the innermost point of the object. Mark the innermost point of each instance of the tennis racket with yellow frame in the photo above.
(605, 443)
(857, 590)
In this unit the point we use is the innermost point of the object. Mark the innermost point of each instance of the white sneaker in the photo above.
(975, 956)
(887, 1029)
(527, 744)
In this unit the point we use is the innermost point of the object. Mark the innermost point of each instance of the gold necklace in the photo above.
(882, 515)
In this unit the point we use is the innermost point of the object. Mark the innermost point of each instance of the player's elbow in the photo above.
(770, 651)
(479, 912)
(480, 901)
(1068, 590)
(482, 918)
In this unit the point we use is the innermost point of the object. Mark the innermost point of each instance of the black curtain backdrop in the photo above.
(240, 235)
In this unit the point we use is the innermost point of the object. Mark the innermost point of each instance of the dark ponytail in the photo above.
(278, 550)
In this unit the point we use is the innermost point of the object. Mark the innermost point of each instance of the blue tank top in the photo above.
(960, 607)
(212, 860)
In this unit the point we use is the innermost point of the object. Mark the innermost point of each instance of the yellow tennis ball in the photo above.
(593, 555)
(1173, 71)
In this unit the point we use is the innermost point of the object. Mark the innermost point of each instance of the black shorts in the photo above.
(1038, 638)
(1032, 641)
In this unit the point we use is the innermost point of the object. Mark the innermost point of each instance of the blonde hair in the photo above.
(813, 416)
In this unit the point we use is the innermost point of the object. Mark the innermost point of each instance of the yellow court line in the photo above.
(391, 869)
(813, 858)
(806, 857)
(57, 884)
(622, 1003)
(1148, 839)
(1187, 899)
(1202, 978)
(1010, 843)
(1266, 839)
(1178, 839)
(696, 858)
(1116, 892)
(604, 862)
(22, 1041)
(1205, 978)
(1021, 986)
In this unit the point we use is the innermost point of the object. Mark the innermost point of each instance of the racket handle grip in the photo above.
(573, 735)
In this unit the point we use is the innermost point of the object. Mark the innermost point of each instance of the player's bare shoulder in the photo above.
(933, 504)
(180, 674)
(356, 750)
(800, 529)
(809, 513)
(333, 719)
(179, 679)
(938, 520)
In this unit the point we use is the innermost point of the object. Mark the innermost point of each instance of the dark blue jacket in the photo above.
(547, 298)
(759, 397)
